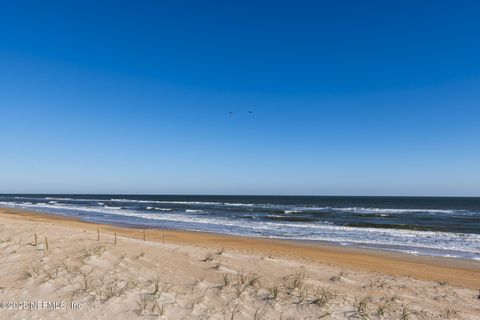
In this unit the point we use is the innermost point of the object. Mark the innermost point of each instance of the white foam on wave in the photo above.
(292, 211)
(394, 210)
(56, 199)
(65, 208)
(241, 204)
(158, 209)
(378, 210)
(167, 202)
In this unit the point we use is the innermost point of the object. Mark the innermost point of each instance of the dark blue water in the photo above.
(429, 225)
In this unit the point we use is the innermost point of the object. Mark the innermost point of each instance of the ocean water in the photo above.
(436, 226)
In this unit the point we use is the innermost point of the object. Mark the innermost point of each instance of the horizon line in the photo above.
(242, 195)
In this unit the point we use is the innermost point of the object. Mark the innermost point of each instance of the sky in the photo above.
(240, 97)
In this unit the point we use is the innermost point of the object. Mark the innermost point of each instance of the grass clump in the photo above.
(248, 279)
(360, 309)
(322, 298)
(273, 292)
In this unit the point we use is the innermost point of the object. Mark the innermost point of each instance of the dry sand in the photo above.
(206, 276)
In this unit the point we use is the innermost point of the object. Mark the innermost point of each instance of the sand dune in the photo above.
(203, 276)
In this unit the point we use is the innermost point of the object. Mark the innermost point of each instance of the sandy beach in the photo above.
(188, 275)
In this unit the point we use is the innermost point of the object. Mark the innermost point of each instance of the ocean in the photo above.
(437, 226)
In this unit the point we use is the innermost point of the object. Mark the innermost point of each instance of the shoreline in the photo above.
(441, 269)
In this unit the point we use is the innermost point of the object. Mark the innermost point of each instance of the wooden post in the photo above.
(36, 242)
(144, 237)
(46, 244)
(115, 238)
(98, 234)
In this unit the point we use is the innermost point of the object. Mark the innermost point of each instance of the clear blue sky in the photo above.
(349, 97)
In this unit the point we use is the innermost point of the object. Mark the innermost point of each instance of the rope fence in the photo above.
(113, 236)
